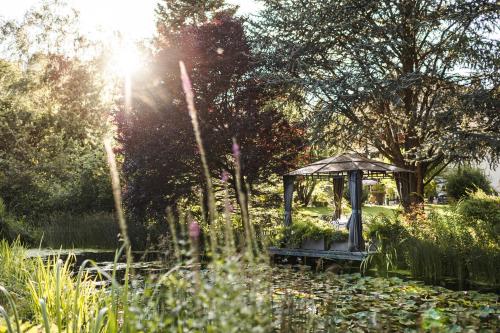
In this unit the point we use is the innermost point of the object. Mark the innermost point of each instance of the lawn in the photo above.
(368, 210)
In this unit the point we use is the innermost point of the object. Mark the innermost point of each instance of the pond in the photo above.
(348, 302)
(144, 262)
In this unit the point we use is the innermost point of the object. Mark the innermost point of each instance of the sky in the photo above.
(132, 17)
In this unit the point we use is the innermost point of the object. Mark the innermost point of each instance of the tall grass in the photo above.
(96, 230)
(436, 247)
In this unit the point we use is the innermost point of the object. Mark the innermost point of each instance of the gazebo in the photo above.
(351, 166)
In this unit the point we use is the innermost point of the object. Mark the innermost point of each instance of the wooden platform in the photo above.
(333, 255)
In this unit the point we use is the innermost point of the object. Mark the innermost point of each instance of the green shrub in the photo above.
(462, 181)
(304, 227)
(379, 187)
(12, 228)
(482, 212)
(364, 195)
(430, 189)
(435, 247)
(385, 238)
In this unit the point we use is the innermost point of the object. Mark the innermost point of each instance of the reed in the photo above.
(67, 230)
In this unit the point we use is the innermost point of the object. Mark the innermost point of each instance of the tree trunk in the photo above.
(305, 189)
(411, 187)
(205, 206)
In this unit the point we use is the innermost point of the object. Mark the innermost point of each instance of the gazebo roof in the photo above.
(341, 164)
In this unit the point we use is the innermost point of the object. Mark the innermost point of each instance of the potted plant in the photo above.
(314, 234)
(339, 240)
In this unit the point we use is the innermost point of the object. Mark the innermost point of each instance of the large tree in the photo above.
(53, 115)
(417, 80)
(162, 163)
(174, 15)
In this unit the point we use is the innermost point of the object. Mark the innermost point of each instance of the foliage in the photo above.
(430, 189)
(384, 75)
(91, 230)
(305, 189)
(160, 156)
(385, 236)
(322, 195)
(14, 274)
(481, 212)
(233, 297)
(463, 180)
(305, 227)
(330, 303)
(377, 193)
(67, 300)
(379, 187)
(441, 245)
(12, 228)
(364, 194)
(305, 186)
(173, 15)
(52, 115)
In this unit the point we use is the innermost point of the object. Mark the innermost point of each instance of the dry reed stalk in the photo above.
(228, 228)
(249, 232)
(188, 90)
(115, 183)
(173, 231)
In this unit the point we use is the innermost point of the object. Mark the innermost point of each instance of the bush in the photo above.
(364, 195)
(12, 228)
(435, 247)
(482, 212)
(462, 181)
(309, 228)
(385, 238)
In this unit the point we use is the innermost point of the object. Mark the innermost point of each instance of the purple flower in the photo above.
(225, 176)
(194, 230)
(236, 150)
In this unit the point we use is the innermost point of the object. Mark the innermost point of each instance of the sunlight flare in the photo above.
(125, 60)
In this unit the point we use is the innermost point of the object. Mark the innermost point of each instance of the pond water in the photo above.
(148, 262)
(350, 302)
(144, 262)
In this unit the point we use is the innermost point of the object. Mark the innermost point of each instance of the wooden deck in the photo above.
(333, 255)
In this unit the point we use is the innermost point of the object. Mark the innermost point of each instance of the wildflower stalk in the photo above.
(186, 85)
(249, 233)
(194, 238)
(115, 183)
(173, 231)
(228, 229)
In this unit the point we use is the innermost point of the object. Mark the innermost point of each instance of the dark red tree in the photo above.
(161, 161)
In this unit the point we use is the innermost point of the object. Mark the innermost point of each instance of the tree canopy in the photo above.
(415, 80)
(53, 115)
(161, 161)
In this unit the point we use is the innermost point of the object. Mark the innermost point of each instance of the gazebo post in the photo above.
(288, 182)
(355, 224)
